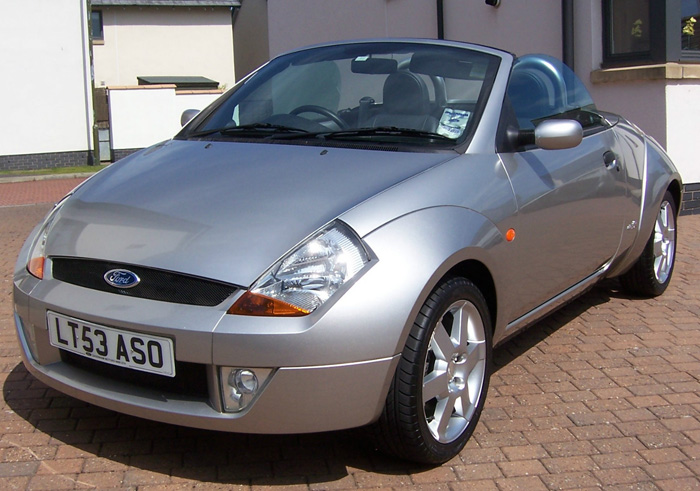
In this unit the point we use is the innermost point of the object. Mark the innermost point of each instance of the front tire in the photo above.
(440, 386)
(652, 272)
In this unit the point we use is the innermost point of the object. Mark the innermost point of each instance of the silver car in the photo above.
(341, 240)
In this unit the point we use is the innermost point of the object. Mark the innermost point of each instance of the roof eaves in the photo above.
(166, 3)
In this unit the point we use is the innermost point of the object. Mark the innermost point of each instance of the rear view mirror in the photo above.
(558, 134)
(374, 66)
(188, 115)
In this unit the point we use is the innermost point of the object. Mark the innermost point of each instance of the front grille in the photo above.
(190, 378)
(155, 284)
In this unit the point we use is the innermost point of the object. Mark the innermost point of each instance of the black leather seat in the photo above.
(406, 104)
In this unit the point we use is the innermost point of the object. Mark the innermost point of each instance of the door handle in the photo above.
(610, 161)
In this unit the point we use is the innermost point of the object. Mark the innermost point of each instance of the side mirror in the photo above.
(187, 116)
(558, 134)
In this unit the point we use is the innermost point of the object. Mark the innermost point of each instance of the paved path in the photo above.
(40, 191)
(604, 393)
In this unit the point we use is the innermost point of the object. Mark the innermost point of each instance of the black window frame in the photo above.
(664, 37)
(101, 37)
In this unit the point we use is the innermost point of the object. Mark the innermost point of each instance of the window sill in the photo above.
(665, 71)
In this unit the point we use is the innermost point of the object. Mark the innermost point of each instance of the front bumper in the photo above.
(295, 399)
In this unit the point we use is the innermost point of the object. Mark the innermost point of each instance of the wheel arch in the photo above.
(438, 243)
(675, 188)
(479, 274)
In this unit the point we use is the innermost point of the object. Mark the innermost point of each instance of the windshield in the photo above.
(392, 92)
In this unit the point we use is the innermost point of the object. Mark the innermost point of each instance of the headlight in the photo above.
(307, 277)
(37, 256)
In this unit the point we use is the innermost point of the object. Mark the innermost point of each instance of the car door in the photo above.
(571, 202)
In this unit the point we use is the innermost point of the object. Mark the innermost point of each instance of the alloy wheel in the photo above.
(455, 371)
(664, 242)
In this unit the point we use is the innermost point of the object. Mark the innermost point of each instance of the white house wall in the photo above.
(517, 26)
(44, 79)
(642, 102)
(141, 117)
(295, 23)
(164, 41)
(683, 108)
(250, 37)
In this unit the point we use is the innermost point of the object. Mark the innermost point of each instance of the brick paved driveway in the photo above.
(604, 393)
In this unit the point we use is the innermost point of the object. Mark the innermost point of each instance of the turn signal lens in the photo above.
(37, 255)
(36, 267)
(256, 304)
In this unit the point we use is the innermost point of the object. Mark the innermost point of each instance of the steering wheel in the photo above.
(310, 108)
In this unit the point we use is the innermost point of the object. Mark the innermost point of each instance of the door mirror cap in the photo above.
(558, 134)
(188, 115)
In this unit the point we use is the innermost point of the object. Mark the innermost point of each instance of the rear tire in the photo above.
(440, 385)
(652, 272)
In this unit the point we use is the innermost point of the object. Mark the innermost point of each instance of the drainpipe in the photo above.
(567, 28)
(89, 83)
(440, 19)
(234, 16)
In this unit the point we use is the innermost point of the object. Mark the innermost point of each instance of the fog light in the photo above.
(244, 381)
(241, 386)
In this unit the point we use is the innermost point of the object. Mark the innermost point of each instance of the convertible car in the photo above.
(340, 241)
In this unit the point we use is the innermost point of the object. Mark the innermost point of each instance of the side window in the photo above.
(542, 87)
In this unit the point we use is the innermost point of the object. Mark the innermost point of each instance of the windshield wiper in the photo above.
(382, 131)
(263, 129)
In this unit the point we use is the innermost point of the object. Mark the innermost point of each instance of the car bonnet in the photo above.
(221, 210)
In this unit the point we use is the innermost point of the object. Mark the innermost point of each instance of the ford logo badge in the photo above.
(121, 278)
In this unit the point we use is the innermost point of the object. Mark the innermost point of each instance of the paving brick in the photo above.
(595, 431)
(668, 470)
(372, 480)
(53, 482)
(570, 449)
(11, 469)
(614, 445)
(625, 475)
(619, 460)
(664, 440)
(679, 484)
(103, 480)
(550, 436)
(436, 475)
(571, 480)
(522, 468)
(525, 452)
(569, 464)
(482, 485)
(139, 477)
(645, 427)
(101, 464)
(632, 415)
(604, 393)
(478, 472)
(553, 422)
(530, 483)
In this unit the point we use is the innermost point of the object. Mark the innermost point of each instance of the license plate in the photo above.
(153, 354)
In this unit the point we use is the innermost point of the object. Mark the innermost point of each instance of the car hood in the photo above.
(221, 210)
